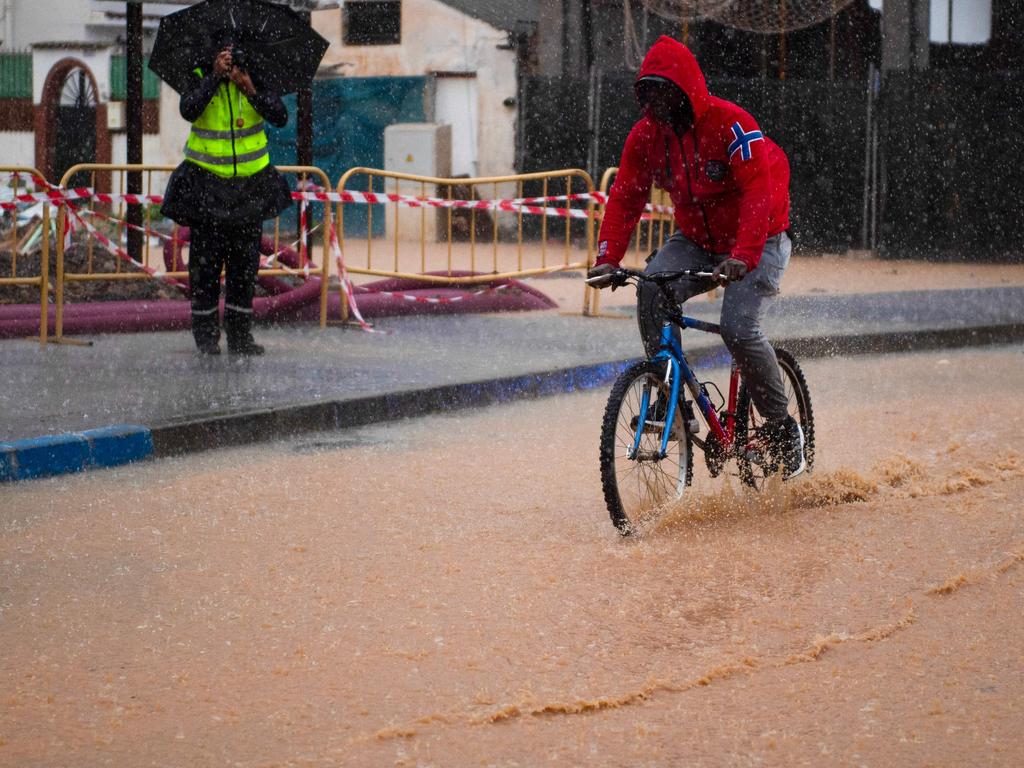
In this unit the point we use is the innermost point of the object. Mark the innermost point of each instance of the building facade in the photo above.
(62, 77)
(463, 52)
(62, 86)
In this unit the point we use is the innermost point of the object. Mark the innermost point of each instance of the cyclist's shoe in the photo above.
(788, 439)
(657, 412)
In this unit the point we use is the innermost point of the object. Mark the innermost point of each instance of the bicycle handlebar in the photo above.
(621, 276)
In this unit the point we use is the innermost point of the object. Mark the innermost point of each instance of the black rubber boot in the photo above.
(206, 332)
(238, 326)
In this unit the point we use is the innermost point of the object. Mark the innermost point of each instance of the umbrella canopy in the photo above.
(270, 41)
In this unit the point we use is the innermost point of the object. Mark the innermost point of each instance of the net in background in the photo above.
(764, 16)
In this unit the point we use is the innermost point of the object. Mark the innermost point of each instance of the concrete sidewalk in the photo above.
(312, 379)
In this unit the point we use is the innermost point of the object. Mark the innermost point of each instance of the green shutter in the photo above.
(15, 75)
(119, 80)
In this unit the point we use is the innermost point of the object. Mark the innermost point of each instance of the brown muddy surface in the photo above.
(449, 592)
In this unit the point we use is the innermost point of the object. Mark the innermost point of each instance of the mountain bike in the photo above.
(651, 426)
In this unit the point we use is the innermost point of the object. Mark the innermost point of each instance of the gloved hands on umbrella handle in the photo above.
(242, 80)
(222, 65)
(729, 271)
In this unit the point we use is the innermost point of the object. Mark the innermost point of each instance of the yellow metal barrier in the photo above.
(154, 181)
(649, 236)
(489, 244)
(21, 180)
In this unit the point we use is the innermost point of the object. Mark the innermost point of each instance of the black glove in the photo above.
(600, 276)
(729, 270)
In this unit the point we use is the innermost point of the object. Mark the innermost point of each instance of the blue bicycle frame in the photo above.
(678, 369)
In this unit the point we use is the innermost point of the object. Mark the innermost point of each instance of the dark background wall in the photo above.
(820, 125)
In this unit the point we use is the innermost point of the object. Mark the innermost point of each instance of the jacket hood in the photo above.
(672, 60)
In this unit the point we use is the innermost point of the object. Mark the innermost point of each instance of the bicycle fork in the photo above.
(675, 374)
(671, 381)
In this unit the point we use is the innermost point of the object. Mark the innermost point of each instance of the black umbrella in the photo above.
(272, 42)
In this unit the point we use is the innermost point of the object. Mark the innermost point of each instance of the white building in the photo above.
(61, 75)
(462, 46)
(62, 86)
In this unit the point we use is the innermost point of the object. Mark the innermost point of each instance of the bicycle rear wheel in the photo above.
(753, 454)
(636, 489)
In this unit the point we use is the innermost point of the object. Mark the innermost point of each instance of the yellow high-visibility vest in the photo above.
(228, 138)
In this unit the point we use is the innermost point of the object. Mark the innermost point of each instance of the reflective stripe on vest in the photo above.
(230, 160)
(240, 134)
(217, 144)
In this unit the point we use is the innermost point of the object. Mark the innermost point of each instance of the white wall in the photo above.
(18, 148)
(437, 38)
(26, 22)
(173, 131)
(972, 20)
(37, 21)
(151, 151)
(457, 103)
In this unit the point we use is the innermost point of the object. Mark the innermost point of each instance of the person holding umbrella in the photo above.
(231, 61)
(223, 191)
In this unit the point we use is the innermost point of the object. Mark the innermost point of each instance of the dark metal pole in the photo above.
(133, 73)
(304, 133)
(565, 37)
(587, 21)
(304, 118)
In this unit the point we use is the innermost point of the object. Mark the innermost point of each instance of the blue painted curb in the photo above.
(48, 455)
(118, 444)
(73, 452)
(8, 467)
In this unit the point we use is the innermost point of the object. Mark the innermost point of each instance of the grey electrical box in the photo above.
(420, 149)
(423, 149)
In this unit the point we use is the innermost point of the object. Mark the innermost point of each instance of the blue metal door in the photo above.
(349, 118)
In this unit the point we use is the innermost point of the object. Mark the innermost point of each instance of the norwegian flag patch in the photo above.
(743, 141)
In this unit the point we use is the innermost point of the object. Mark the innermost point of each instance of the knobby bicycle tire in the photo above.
(616, 467)
(800, 408)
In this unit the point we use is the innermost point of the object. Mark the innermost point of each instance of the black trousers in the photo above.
(235, 249)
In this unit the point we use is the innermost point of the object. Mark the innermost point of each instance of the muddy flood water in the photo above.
(449, 591)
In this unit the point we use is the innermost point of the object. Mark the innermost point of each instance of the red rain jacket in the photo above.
(728, 182)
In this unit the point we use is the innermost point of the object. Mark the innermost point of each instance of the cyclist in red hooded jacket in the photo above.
(729, 185)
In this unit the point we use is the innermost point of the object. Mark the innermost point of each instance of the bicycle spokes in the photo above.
(639, 475)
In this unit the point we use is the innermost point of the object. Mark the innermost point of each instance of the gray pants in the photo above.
(742, 310)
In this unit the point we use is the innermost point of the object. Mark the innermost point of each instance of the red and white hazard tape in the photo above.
(528, 205)
(57, 195)
(346, 283)
(113, 248)
(514, 205)
(431, 299)
(128, 225)
(268, 260)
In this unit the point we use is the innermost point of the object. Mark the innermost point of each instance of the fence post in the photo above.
(44, 279)
(58, 291)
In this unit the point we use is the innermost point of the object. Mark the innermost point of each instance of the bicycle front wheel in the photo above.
(636, 488)
(755, 456)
